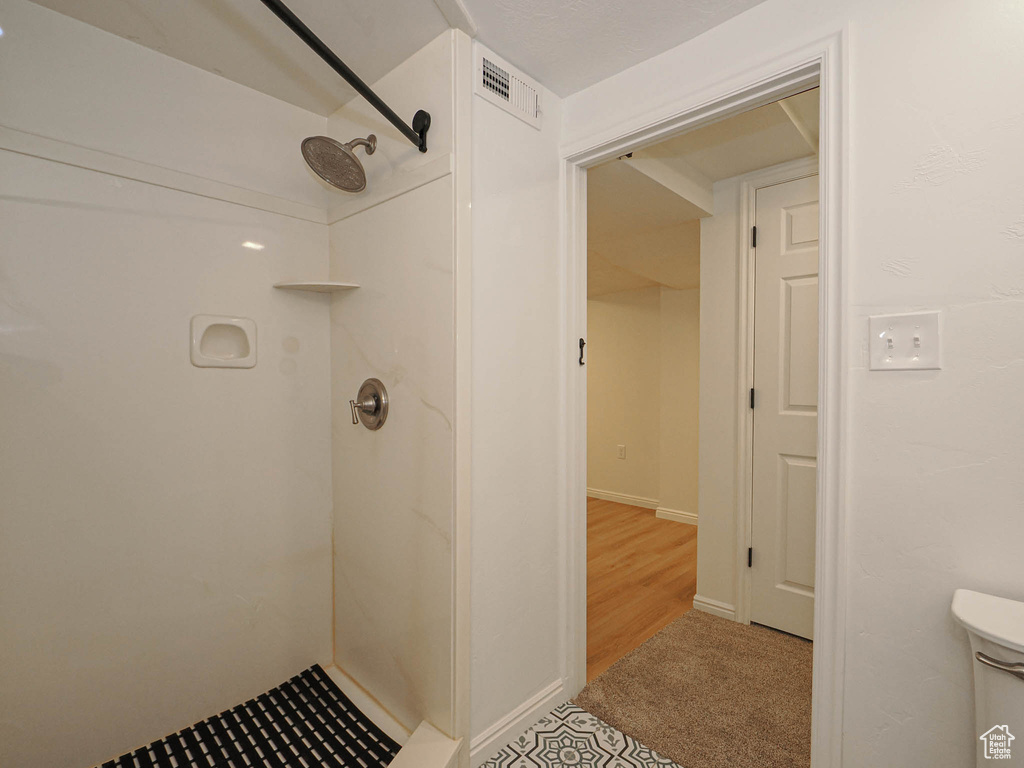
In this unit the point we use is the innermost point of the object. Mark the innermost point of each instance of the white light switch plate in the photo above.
(905, 342)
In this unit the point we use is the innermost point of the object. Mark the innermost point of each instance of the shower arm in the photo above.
(417, 134)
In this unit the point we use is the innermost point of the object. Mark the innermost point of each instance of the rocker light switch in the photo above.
(905, 342)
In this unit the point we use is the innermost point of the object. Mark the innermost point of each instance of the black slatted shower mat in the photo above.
(304, 723)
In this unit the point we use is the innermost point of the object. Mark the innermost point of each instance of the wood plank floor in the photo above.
(641, 575)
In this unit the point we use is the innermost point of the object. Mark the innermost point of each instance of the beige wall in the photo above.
(642, 374)
(680, 375)
(623, 393)
(719, 339)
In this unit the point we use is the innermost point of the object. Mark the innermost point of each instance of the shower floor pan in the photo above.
(306, 722)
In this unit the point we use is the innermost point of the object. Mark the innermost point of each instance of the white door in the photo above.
(784, 490)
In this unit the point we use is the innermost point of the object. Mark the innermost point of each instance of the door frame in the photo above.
(822, 62)
(749, 184)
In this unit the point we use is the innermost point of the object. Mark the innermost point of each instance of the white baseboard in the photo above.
(690, 518)
(715, 607)
(622, 498)
(483, 746)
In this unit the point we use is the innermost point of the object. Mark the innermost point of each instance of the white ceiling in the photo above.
(570, 44)
(565, 45)
(643, 211)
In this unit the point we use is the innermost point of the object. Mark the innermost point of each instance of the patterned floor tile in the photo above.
(570, 737)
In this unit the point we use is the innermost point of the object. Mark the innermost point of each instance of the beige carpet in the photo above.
(708, 692)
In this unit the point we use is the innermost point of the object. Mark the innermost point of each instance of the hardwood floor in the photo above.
(641, 575)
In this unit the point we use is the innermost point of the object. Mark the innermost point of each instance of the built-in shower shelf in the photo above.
(325, 286)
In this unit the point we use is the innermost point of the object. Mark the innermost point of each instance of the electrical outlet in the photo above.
(621, 452)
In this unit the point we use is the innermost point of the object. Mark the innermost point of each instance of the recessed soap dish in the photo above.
(223, 342)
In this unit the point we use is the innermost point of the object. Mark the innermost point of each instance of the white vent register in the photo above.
(501, 84)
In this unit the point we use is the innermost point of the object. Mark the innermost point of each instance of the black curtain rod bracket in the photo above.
(417, 134)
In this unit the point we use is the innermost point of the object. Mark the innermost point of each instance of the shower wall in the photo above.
(395, 512)
(164, 529)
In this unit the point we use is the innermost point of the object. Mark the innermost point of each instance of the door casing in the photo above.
(823, 63)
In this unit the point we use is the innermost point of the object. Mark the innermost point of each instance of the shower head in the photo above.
(336, 163)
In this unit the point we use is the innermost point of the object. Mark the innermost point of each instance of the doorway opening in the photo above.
(811, 556)
(663, 224)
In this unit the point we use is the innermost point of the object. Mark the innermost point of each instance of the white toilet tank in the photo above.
(996, 628)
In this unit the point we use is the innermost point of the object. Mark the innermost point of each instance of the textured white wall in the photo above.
(624, 393)
(936, 221)
(165, 529)
(517, 619)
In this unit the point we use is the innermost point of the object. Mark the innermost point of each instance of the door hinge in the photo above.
(750, 557)
(582, 344)
(751, 398)
(753, 237)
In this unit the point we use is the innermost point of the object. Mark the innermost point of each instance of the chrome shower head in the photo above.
(336, 163)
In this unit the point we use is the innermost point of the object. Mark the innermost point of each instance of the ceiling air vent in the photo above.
(502, 85)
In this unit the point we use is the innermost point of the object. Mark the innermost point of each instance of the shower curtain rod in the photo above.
(417, 134)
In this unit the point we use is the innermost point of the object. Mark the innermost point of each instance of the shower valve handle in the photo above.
(369, 405)
(370, 408)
